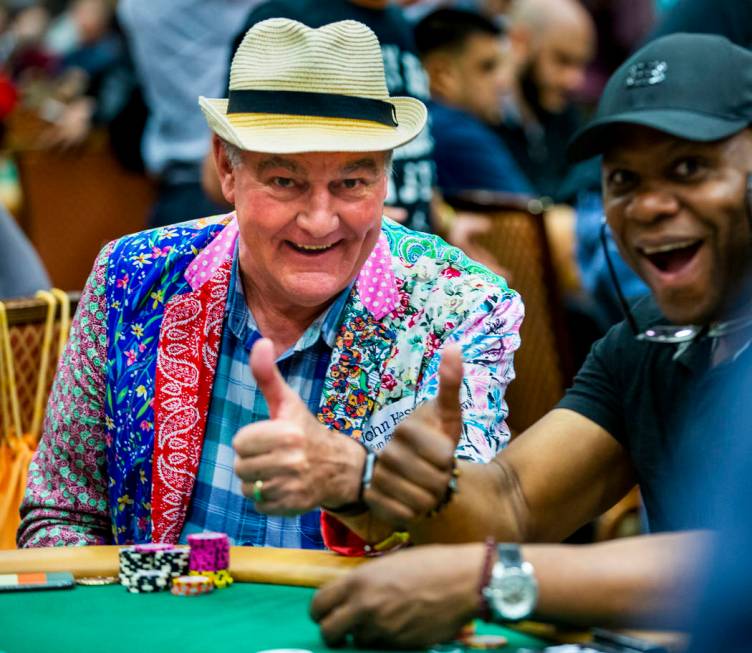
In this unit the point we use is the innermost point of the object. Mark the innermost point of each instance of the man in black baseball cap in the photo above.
(693, 86)
(674, 117)
(673, 129)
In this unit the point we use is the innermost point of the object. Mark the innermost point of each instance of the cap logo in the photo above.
(646, 73)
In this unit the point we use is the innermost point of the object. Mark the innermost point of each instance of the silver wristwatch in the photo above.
(512, 591)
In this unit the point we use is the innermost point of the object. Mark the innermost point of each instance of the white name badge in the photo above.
(383, 422)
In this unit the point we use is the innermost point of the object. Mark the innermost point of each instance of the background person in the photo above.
(21, 270)
(552, 42)
(180, 51)
(464, 56)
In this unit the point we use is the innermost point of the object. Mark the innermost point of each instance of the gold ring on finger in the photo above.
(258, 491)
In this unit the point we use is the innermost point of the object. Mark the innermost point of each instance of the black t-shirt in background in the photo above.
(729, 18)
(413, 169)
(541, 150)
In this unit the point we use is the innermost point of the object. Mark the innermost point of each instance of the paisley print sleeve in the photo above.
(66, 494)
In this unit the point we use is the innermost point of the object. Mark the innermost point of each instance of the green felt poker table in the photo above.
(266, 608)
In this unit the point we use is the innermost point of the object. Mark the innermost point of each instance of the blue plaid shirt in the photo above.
(217, 503)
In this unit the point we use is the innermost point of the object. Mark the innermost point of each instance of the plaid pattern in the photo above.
(218, 503)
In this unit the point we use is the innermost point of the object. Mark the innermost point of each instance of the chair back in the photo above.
(517, 240)
(37, 330)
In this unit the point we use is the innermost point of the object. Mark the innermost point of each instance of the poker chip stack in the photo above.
(210, 557)
(148, 580)
(151, 567)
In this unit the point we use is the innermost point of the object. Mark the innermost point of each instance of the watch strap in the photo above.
(509, 562)
(510, 555)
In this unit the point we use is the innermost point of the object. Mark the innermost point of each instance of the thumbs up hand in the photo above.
(412, 474)
(291, 463)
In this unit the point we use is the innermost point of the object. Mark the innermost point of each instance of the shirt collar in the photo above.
(241, 322)
(376, 282)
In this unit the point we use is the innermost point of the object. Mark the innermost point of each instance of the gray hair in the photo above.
(235, 156)
(233, 153)
(388, 156)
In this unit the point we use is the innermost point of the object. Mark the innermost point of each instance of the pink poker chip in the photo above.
(209, 551)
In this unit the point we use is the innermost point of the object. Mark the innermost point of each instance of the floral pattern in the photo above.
(443, 296)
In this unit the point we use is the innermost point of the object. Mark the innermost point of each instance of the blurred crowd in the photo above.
(509, 83)
(509, 80)
(62, 60)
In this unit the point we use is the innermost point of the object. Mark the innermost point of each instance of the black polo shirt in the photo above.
(669, 409)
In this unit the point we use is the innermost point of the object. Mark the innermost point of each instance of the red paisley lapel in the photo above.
(189, 341)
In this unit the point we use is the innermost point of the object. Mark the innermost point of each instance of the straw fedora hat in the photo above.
(297, 89)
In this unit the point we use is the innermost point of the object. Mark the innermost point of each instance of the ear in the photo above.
(385, 183)
(441, 72)
(225, 170)
(521, 45)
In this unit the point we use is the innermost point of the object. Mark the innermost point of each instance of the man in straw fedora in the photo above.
(158, 427)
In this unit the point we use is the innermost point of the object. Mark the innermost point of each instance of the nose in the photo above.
(319, 217)
(652, 204)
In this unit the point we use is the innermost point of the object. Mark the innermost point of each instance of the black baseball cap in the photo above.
(694, 86)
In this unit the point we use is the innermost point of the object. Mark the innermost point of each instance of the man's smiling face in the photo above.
(307, 221)
(678, 211)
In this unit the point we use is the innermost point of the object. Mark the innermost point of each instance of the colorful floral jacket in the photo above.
(125, 422)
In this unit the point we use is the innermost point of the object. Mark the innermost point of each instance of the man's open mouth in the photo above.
(672, 257)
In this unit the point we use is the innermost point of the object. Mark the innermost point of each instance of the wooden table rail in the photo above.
(300, 567)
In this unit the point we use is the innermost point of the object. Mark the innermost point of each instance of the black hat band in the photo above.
(303, 103)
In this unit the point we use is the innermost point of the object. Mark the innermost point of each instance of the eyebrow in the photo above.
(277, 162)
(366, 163)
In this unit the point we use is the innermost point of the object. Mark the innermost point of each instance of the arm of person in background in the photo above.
(21, 270)
(727, 18)
(415, 598)
(66, 500)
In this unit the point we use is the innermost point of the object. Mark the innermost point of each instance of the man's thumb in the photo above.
(269, 380)
(448, 399)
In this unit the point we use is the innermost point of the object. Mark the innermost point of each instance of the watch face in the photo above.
(517, 595)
